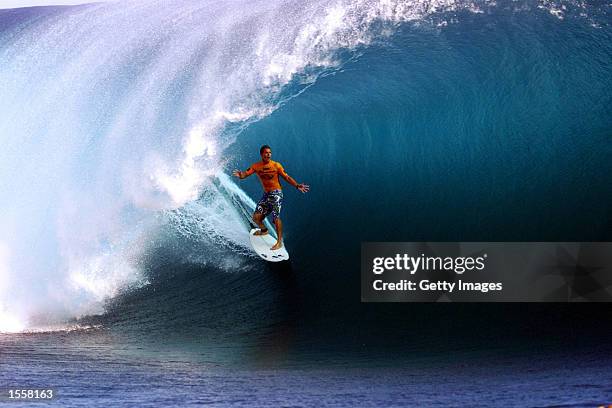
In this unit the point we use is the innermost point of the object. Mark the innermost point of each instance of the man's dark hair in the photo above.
(264, 147)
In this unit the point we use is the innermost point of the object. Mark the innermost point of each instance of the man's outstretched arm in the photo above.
(302, 187)
(243, 174)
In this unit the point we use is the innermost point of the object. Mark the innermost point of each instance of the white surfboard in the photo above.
(263, 243)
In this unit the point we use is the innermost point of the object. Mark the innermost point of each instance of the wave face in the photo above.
(419, 120)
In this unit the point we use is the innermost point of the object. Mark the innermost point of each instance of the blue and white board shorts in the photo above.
(270, 203)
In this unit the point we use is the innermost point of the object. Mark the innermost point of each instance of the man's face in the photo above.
(266, 155)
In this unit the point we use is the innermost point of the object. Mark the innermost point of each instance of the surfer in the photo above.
(271, 202)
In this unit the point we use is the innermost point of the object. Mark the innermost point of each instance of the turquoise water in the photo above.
(494, 128)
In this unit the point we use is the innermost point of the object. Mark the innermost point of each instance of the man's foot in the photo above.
(276, 246)
(263, 231)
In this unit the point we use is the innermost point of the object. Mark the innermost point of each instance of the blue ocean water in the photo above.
(125, 278)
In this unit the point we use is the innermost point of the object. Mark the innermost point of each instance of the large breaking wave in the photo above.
(116, 117)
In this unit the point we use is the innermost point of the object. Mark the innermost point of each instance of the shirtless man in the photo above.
(272, 200)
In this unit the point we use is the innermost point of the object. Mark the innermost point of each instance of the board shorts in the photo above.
(270, 203)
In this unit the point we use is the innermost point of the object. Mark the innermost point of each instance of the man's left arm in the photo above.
(302, 187)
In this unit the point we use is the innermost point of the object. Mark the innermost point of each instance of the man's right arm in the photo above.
(243, 174)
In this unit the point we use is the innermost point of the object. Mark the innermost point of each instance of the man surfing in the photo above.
(271, 202)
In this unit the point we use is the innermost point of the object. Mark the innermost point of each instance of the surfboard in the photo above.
(262, 244)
